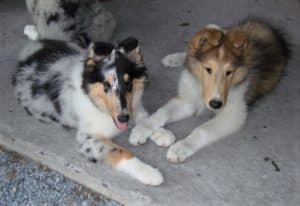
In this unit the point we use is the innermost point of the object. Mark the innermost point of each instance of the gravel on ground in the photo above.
(25, 182)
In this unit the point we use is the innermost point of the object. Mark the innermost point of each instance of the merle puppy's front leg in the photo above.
(96, 148)
(225, 123)
(139, 113)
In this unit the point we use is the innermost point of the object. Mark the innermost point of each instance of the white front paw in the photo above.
(150, 176)
(163, 137)
(31, 32)
(179, 152)
(141, 171)
(139, 135)
(174, 60)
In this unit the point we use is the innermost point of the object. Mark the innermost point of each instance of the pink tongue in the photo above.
(122, 126)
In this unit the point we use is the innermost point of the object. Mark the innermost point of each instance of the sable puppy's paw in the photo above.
(139, 135)
(163, 137)
(178, 152)
(174, 60)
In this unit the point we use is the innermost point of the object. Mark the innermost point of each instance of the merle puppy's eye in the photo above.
(208, 70)
(228, 73)
(106, 86)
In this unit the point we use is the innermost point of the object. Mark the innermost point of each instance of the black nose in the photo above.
(215, 104)
(123, 118)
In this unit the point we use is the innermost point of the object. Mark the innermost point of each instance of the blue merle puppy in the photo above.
(79, 21)
(96, 90)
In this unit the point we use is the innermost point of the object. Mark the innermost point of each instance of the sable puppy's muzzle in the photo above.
(215, 103)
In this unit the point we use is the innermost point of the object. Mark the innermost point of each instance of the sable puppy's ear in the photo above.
(237, 41)
(239, 75)
(132, 50)
(205, 40)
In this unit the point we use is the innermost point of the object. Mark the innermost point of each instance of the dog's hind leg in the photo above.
(96, 148)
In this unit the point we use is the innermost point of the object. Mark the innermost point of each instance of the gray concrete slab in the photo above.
(235, 171)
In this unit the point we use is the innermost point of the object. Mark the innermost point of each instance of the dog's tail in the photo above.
(174, 60)
(262, 27)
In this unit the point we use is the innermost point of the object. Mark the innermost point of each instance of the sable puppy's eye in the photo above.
(209, 70)
(106, 86)
(228, 73)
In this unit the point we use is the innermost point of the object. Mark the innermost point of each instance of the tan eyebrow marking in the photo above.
(110, 79)
(126, 77)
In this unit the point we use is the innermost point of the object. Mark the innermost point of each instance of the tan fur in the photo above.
(107, 102)
(222, 52)
(204, 41)
(126, 77)
(137, 91)
(116, 153)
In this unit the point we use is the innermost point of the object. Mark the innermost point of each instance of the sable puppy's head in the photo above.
(112, 76)
(217, 59)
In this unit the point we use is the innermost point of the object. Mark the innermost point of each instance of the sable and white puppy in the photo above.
(227, 70)
(97, 91)
(79, 21)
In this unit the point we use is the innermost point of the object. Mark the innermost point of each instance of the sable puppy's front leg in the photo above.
(95, 148)
(184, 105)
(225, 123)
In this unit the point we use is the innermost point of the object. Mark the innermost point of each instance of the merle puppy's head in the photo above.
(113, 76)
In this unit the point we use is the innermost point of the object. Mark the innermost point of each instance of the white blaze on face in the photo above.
(219, 79)
(111, 74)
(216, 94)
(112, 78)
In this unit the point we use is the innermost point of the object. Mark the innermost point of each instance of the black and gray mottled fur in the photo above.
(80, 21)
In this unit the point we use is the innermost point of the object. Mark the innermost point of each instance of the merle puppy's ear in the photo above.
(129, 44)
(132, 50)
(90, 62)
(98, 51)
(103, 48)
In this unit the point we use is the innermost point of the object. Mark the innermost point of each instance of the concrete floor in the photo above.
(240, 170)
